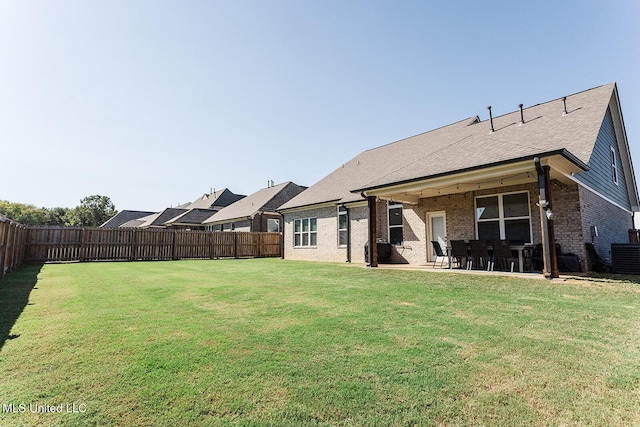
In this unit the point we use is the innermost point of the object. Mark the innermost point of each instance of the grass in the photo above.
(273, 342)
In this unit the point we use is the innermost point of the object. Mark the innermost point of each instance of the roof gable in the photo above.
(123, 217)
(250, 205)
(191, 217)
(469, 144)
(219, 198)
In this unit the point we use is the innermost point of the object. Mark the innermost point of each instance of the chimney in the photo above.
(564, 106)
(521, 114)
(491, 118)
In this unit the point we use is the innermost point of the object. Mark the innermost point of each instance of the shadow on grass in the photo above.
(14, 297)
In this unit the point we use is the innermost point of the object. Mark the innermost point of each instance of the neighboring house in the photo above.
(185, 216)
(215, 200)
(160, 219)
(477, 180)
(136, 223)
(192, 219)
(257, 212)
(124, 217)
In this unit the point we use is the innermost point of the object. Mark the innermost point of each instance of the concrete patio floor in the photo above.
(445, 269)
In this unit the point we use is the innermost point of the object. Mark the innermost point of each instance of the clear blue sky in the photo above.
(152, 103)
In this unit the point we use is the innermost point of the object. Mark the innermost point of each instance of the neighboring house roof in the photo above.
(137, 223)
(123, 217)
(265, 200)
(191, 217)
(219, 198)
(158, 220)
(470, 144)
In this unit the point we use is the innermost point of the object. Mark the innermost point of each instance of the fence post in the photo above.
(8, 261)
(235, 244)
(259, 245)
(3, 244)
(132, 245)
(174, 251)
(82, 246)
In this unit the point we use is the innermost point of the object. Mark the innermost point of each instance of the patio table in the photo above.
(519, 248)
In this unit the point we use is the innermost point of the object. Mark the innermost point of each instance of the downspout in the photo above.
(282, 227)
(348, 233)
(373, 231)
(546, 215)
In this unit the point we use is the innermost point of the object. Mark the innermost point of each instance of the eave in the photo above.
(513, 172)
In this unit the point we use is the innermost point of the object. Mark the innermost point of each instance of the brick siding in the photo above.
(575, 210)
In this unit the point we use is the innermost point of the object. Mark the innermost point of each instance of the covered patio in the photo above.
(507, 201)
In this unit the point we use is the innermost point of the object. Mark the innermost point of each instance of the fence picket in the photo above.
(44, 244)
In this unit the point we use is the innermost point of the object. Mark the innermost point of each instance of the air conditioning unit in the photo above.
(626, 258)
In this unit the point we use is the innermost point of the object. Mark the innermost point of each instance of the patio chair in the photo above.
(479, 254)
(459, 253)
(537, 261)
(502, 255)
(439, 253)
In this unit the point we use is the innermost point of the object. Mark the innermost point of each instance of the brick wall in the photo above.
(244, 225)
(613, 223)
(575, 210)
(566, 223)
(327, 248)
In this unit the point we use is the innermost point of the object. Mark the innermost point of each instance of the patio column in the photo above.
(546, 222)
(373, 231)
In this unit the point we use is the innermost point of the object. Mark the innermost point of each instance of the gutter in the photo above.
(562, 152)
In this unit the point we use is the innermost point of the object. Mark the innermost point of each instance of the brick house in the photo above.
(256, 212)
(478, 179)
(188, 216)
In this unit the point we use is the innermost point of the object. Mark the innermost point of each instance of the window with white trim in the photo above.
(614, 166)
(504, 216)
(305, 232)
(396, 227)
(343, 221)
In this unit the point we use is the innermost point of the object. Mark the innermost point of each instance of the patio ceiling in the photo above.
(562, 167)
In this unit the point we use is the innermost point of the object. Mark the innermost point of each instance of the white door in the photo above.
(437, 229)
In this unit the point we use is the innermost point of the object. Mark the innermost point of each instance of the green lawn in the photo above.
(273, 342)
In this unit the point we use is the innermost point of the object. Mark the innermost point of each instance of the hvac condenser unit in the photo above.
(626, 258)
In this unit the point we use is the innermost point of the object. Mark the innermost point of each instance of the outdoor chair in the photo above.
(459, 253)
(479, 255)
(502, 255)
(537, 262)
(439, 253)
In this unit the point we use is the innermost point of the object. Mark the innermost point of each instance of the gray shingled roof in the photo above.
(223, 197)
(162, 217)
(247, 206)
(463, 146)
(123, 217)
(141, 222)
(192, 217)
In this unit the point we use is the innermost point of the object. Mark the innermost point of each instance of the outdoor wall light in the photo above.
(549, 214)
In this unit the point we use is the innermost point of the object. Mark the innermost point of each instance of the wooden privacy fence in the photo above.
(45, 244)
(12, 238)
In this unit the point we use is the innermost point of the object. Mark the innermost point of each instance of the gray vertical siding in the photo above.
(599, 175)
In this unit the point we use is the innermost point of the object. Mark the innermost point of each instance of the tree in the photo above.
(93, 211)
(22, 213)
(56, 216)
